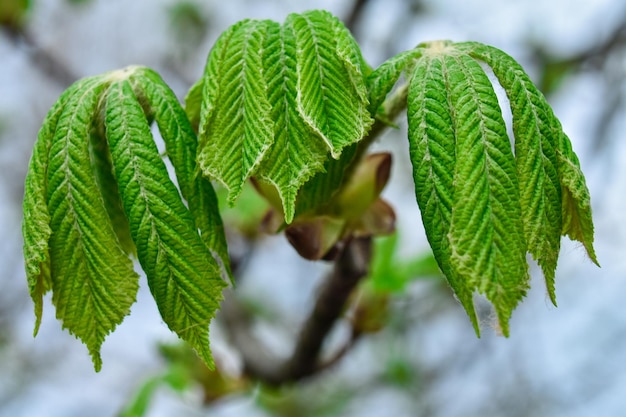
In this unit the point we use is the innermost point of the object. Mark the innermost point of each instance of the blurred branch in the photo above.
(354, 15)
(599, 57)
(44, 60)
(350, 267)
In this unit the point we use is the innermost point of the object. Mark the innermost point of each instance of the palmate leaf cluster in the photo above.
(278, 102)
(98, 191)
(485, 205)
(289, 105)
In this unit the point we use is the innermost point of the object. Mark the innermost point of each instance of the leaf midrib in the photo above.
(71, 211)
(472, 94)
(320, 71)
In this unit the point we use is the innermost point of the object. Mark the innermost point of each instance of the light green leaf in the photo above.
(93, 282)
(183, 276)
(383, 79)
(350, 54)
(298, 152)
(432, 152)
(180, 144)
(535, 155)
(576, 204)
(236, 128)
(193, 103)
(486, 232)
(316, 194)
(36, 225)
(331, 95)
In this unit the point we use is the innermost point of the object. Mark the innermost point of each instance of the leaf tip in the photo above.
(591, 253)
(37, 324)
(96, 359)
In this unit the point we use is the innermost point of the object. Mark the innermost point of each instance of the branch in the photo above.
(354, 15)
(350, 267)
(44, 60)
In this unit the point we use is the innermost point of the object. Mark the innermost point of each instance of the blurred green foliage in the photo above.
(248, 212)
(184, 371)
(79, 2)
(313, 400)
(390, 273)
(13, 13)
(189, 25)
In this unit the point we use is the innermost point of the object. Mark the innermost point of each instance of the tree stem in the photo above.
(350, 267)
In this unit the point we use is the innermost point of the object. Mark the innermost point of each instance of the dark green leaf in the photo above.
(183, 276)
(180, 144)
(93, 282)
(536, 158)
(432, 150)
(486, 232)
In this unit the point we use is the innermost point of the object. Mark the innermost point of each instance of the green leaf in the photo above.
(183, 276)
(535, 155)
(331, 90)
(105, 178)
(297, 153)
(316, 194)
(180, 144)
(432, 144)
(277, 99)
(236, 128)
(93, 282)
(540, 146)
(193, 103)
(384, 78)
(486, 232)
(576, 204)
(36, 225)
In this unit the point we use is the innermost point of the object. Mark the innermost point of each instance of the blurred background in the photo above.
(421, 357)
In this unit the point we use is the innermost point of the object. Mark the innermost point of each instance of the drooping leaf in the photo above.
(236, 128)
(432, 151)
(535, 155)
(298, 152)
(105, 178)
(183, 276)
(331, 95)
(36, 225)
(181, 143)
(193, 103)
(576, 203)
(383, 79)
(308, 98)
(486, 232)
(93, 282)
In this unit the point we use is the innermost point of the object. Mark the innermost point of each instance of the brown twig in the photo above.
(350, 267)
